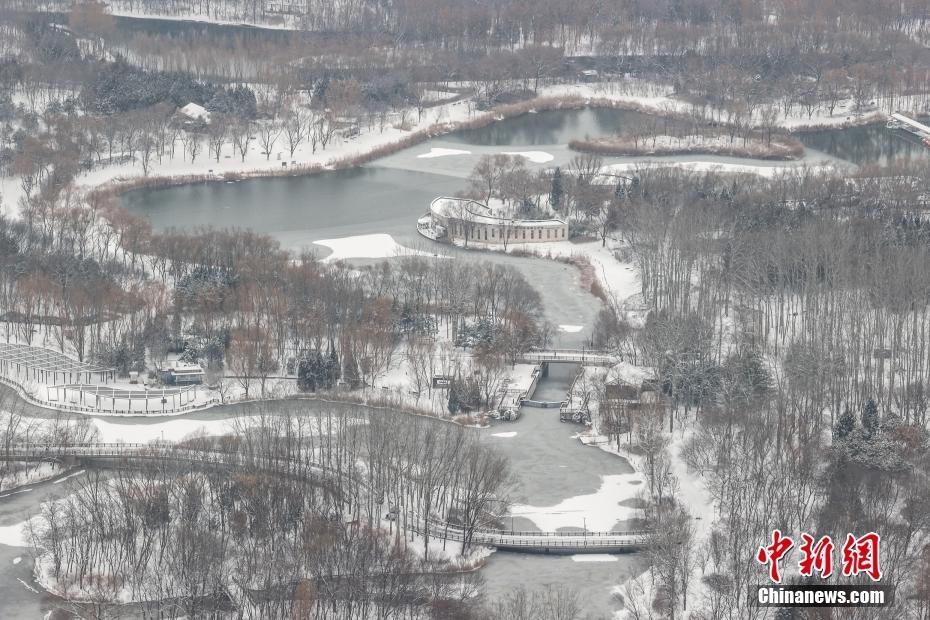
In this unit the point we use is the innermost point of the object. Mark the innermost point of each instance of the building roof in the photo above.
(478, 213)
(196, 112)
(184, 368)
(46, 360)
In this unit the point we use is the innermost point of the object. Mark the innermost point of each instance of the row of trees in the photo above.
(802, 56)
(583, 193)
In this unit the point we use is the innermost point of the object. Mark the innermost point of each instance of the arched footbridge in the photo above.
(88, 454)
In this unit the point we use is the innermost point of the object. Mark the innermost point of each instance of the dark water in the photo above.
(871, 144)
(554, 386)
(187, 28)
(389, 195)
(551, 127)
(336, 204)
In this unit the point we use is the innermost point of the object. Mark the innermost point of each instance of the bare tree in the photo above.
(268, 134)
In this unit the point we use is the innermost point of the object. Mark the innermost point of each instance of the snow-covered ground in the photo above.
(174, 429)
(442, 152)
(14, 535)
(177, 429)
(597, 512)
(32, 474)
(619, 279)
(367, 246)
(660, 99)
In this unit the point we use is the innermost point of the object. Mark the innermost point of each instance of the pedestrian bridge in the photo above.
(502, 540)
(553, 543)
(585, 357)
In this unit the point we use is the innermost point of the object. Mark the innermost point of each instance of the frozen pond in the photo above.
(552, 468)
(389, 195)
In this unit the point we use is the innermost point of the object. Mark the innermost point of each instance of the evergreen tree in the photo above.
(351, 372)
(557, 192)
(620, 190)
(305, 378)
(845, 425)
(319, 369)
(332, 371)
(870, 419)
(455, 404)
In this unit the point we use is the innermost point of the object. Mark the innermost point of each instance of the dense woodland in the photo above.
(787, 329)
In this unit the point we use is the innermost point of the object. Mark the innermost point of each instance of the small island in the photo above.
(460, 220)
(681, 137)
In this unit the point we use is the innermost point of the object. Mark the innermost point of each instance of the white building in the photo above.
(464, 220)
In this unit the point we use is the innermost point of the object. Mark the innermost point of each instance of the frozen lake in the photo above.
(389, 195)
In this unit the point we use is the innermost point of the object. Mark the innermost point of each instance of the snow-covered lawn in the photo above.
(594, 557)
(598, 511)
(14, 535)
(33, 473)
(441, 152)
(378, 245)
(174, 429)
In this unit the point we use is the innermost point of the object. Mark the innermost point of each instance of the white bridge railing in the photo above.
(583, 356)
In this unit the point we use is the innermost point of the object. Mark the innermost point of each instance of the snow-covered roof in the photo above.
(184, 368)
(630, 373)
(195, 111)
(45, 360)
(478, 213)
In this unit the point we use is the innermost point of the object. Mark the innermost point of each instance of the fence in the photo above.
(86, 409)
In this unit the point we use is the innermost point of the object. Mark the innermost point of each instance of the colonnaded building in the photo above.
(464, 220)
